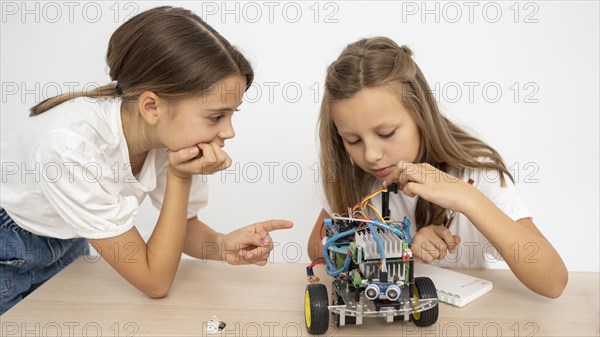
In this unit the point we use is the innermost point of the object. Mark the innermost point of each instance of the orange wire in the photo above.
(366, 199)
(376, 212)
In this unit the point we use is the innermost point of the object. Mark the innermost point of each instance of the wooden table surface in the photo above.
(89, 298)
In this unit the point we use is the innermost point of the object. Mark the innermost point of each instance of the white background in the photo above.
(545, 126)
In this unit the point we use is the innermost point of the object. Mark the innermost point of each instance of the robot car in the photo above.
(373, 270)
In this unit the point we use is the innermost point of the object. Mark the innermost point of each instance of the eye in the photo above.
(388, 135)
(354, 142)
(216, 119)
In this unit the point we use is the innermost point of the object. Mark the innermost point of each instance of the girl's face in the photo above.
(202, 119)
(376, 129)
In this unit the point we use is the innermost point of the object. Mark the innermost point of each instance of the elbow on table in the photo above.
(157, 291)
(557, 287)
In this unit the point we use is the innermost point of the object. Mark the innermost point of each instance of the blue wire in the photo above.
(406, 230)
(404, 234)
(377, 240)
(330, 267)
(391, 229)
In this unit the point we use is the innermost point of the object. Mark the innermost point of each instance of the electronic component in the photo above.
(373, 267)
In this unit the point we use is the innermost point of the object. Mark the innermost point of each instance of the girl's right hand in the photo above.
(251, 244)
(200, 159)
(433, 243)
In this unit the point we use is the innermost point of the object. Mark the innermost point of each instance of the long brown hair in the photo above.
(169, 51)
(380, 61)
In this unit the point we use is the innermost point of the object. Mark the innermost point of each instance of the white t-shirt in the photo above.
(68, 175)
(474, 251)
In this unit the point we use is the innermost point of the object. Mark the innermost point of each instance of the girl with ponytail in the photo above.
(153, 131)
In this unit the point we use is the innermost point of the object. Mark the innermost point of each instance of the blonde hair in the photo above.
(380, 61)
(169, 51)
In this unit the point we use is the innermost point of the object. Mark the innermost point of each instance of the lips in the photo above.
(383, 172)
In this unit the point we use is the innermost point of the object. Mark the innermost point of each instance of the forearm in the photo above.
(201, 241)
(164, 248)
(528, 254)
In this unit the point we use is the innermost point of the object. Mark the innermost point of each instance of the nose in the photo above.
(227, 132)
(373, 153)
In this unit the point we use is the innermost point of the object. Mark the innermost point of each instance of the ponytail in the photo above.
(109, 90)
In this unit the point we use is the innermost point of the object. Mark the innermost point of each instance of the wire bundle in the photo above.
(359, 214)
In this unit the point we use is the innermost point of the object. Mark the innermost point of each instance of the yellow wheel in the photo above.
(307, 309)
(424, 288)
(316, 313)
(416, 315)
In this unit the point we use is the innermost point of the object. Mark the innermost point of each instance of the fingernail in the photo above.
(262, 241)
(250, 255)
(384, 184)
(194, 150)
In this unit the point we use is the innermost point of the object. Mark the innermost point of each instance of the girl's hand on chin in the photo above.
(205, 158)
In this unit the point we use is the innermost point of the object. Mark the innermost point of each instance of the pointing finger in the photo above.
(272, 225)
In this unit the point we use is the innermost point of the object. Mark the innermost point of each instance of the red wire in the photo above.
(316, 262)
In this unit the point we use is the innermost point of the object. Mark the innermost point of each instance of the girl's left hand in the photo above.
(433, 243)
(251, 244)
(431, 184)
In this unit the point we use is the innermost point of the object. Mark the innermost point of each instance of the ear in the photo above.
(150, 107)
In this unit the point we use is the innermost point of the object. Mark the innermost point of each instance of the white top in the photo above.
(474, 251)
(68, 175)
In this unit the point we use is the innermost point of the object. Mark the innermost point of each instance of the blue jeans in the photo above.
(28, 260)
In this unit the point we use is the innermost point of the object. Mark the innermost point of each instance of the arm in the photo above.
(315, 245)
(201, 241)
(151, 267)
(547, 276)
(251, 244)
(545, 273)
